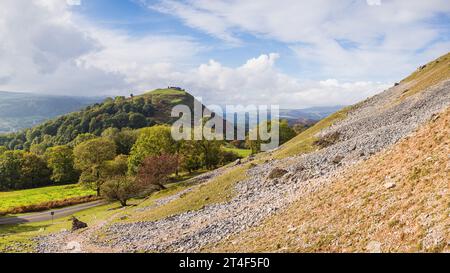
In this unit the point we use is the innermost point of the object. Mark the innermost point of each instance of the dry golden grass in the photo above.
(356, 208)
(433, 73)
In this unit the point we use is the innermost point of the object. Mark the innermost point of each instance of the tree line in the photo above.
(120, 112)
(93, 160)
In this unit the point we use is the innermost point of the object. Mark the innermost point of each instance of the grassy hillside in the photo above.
(219, 190)
(428, 75)
(397, 201)
(19, 238)
(304, 142)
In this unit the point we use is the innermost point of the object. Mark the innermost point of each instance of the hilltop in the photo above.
(148, 109)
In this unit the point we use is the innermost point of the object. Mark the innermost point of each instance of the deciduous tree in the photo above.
(155, 171)
(90, 157)
(60, 159)
(153, 141)
(120, 188)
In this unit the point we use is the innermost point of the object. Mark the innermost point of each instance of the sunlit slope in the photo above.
(397, 201)
(428, 75)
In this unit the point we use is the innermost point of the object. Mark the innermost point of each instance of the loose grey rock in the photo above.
(77, 224)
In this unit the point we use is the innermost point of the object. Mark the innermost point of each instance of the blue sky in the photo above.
(137, 19)
(294, 53)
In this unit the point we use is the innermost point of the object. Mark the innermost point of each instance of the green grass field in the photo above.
(13, 199)
(241, 152)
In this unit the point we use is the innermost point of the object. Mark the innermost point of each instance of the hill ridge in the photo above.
(134, 112)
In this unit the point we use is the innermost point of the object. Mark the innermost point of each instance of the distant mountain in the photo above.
(133, 112)
(22, 110)
(308, 115)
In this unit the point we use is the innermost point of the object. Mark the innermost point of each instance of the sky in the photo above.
(293, 53)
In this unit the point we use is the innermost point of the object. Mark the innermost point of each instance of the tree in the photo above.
(60, 159)
(137, 120)
(153, 141)
(191, 156)
(82, 138)
(210, 152)
(22, 170)
(286, 133)
(38, 149)
(124, 139)
(110, 133)
(155, 171)
(3, 149)
(116, 185)
(116, 167)
(10, 168)
(120, 188)
(34, 172)
(90, 157)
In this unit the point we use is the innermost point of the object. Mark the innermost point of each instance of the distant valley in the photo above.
(308, 115)
(23, 110)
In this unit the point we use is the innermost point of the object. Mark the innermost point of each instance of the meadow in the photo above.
(43, 198)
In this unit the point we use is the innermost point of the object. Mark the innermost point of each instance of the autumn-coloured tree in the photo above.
(153, 141)
(156, 170)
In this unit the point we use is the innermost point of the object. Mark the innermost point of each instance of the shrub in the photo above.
(328, 140)
(227, 157)
(277, 173)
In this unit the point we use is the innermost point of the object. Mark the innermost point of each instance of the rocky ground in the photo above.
(370, 127)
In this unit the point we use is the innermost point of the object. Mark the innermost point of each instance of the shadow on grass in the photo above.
(19, 228)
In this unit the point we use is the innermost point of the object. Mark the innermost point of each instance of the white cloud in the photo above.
(73, 2)
(46, 49)
(330, 34)
(373, 2)
(259, 82)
